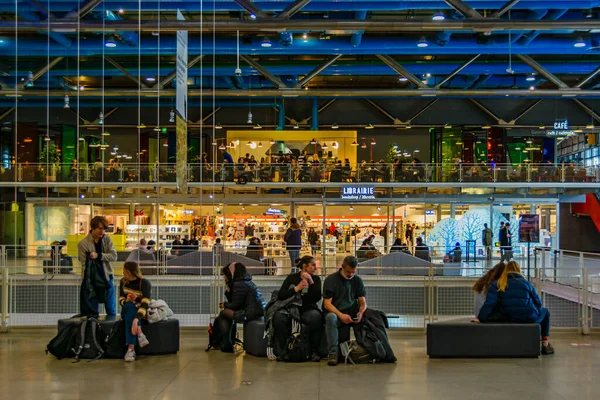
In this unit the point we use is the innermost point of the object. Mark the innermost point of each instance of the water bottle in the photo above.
(304, 291)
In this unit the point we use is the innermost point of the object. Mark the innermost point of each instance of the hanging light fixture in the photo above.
(486, 127)
(354, 143)
(373, 143)
(438, 16)
(27, 140)
(296, 126)
(101, 118)
(416, 150)
(110, 41)
(590, 126)
(266, 42)
(351, 208)
(335, 145)
(422, 42)
(66, 101)
(408, 126)
(363, 145)
(324, 146)
(249, 117)
(29, 79)
(370, 126)
(403, 79)
(172, 116)
(313, 141)
(218, 126)
(530, 78)
(334, 126)
(272, 141)
(166, 143)
(257, 126)
(579, 42)
(222, 147)
(542, 126)
(260, 144)
(150, 79)
(447, 126)
(214, 143)
(156, 129)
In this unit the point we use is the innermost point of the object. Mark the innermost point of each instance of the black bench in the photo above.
(163, 336)
(464, 339)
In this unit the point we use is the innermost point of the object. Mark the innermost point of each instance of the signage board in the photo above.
(358, 193)
(529, 228)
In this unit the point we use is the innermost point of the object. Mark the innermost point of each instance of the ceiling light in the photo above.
(105, 134)
(172, 116)
(266, 42)
(313, 141)
(324, 146)
(486, 127)
(110, 41)
(214, 143)
(27, 140)
(373, 142)
(590, 126)
(112, 195)
(257, 126)
(249, 117)
(222, 147)
(252, 16)
(438, 16)
(272, 141)
(218, 126)
(156, 129)
(542, 126)
(121, 11)
(100, 118)
(351, 208)
(417, 150)
(354, 143)
(532, 88)
(166, 143)
(252, 145)
(334, 126)
(150, 79)
(403, 79)
(408, 126)
(296, 126)
(447, 126)
(530, 78)
(379, 208)
(335, 145)
(81, 88)
(579, 42)
(422, 42)
(142, 126)
(260, 144)
(370, 126)
(529, 141)
(304, 36)
(518, 148)
(67, 101)
(363, 145)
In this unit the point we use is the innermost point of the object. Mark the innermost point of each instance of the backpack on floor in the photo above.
(297, 348)
(63, 344)
(215, 337)
(354, 353)
(114, 343)
(90, 340)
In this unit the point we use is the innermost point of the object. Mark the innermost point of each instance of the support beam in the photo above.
(395, 120)
(40, 72)
(274, 79)
(464, 9)
(423, 110)
(588, 110)
(7, 113)
(106, 115)
(210, 114)
(542, 71)
(171, 77)
(393, 64)
(531, 107)
(510, 4)
(292, 9)
(456, 71)
(487, 111)
(588, 78)
(40, 8)
(252, 8)
(85, 121)
(309, 77)
(126, 73)
(83, 10)
(323, 107)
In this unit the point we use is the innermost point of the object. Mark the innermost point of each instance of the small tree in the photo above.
(50, 154)
(392, 153)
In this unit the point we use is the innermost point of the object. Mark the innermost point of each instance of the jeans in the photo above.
(128, 313)
(294, 254)
(332, 325)
(110, 299)
(314, 249)
(544, 322)
(283, 329)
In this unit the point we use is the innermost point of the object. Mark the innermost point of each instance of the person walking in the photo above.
(293, 241)
(488, 237)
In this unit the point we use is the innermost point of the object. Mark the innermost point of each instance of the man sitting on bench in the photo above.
(343, 302)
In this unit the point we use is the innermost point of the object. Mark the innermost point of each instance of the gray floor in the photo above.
(27, 373)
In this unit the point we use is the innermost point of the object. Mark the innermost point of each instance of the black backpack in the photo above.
(114, 343)
(63, 344)
(215, 337)
(297, 348)
(90, 341)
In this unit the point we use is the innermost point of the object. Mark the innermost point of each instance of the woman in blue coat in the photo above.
(516, 298)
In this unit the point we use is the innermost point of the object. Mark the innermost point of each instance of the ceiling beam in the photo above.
(393, 64)
(83, 10)
(7, 113)
(274, 79)
(531, 107)
(210, 114)
(382, 110)
(126, 73)
(489, 112)
(252, 8)
(171, 77)
(312, 74)
(464, 9)
(504, 9)
(292, 9)
(588, 78)
(40, 8)
(323, 107)
(588, 110)
(542, 71)
(40, 72)
(324, 92)
(456, 71)
(423, 110)
(269, 25)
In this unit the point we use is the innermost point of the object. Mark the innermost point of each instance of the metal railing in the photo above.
(299, 173)
(411, 295)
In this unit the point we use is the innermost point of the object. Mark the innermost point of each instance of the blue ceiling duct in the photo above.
(356, 38)
(552, 15)
(57, 37)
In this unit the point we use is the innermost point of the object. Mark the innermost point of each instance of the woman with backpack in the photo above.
(305, 287)
(134, 298)
(519, 302)
(244, 302)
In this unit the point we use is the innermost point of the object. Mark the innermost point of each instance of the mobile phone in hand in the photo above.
(355, 319)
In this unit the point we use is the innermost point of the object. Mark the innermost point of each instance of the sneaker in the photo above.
(547, 349)
(142, 340)
(315, 357)
(130, 356)
(332, 359)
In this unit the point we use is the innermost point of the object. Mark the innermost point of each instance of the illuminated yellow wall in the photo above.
(294, 139)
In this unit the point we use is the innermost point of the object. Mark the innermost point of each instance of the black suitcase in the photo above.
(66, 266)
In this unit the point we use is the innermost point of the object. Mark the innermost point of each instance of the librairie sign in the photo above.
(358, 193)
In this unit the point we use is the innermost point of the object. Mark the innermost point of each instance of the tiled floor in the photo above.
(27, 373)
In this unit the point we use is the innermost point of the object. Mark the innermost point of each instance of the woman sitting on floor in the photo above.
(244, 302)
(519, 302)
(134, 299)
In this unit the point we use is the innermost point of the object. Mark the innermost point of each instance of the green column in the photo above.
(69, 139)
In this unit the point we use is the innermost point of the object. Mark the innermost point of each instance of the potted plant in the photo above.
(50, 158)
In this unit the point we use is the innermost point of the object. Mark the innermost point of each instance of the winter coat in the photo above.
(94, 285)
(109, 253)
(519, 302)
(293, 237)
(246, 299)
(487, 237)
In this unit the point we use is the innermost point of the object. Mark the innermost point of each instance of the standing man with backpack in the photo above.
(293, 241)
(99, 246)
(488, 237)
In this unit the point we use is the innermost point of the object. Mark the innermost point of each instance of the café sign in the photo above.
(358, 193)
(561, 129)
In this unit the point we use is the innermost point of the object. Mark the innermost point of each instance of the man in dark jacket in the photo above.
(505, 243)
(293, 241)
